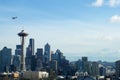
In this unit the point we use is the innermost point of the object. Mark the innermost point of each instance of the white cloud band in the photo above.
(111, 3)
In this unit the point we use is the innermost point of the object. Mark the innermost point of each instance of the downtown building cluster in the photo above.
(41, 60)
(54, 62)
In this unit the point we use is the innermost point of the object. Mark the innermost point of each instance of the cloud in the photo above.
(114, 3)
(115, 19)
(110, 3)
(98, 3)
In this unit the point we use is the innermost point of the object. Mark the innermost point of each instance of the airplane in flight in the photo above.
(15, 17)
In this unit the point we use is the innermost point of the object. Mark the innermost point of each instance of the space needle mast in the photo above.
(22, 36)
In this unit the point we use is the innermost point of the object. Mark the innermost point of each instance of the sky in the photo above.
(77, 27)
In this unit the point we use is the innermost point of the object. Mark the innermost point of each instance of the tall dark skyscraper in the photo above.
(5, 59)
(39, 62)
(30, 48)
(47, 54)
(85, 64)
(59, 56)
(31, 43)
(102, 71)
(29, 54)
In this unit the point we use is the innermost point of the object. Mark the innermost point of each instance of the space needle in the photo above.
(22, 36)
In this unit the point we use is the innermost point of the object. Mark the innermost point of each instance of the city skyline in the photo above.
(78, 28)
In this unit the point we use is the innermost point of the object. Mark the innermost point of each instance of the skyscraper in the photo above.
(29, 54)
(32, 43)
(102, 71)
(5, 59)
(59, 57)
(17, 62)
(95, 69)
(18, 50)
(33, 63)
(39, 53)
(84, 64)
(117, 63)
(79, 65)
(30, 48)
(39, 62)
(28, 62)
(47, 54)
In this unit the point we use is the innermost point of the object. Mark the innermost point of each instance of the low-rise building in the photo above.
(35, 75)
